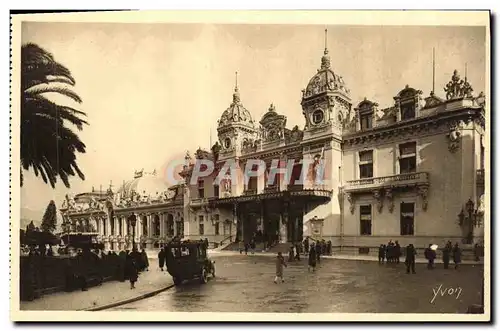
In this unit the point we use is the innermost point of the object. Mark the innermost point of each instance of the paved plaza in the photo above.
(245, 284)
(108, 293)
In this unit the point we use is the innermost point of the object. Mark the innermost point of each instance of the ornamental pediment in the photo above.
(366, 106)
(408, 93)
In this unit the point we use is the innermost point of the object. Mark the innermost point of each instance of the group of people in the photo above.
(449, 252)
(314, 252)
(390, 252)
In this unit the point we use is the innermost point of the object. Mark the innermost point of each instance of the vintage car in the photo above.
(186, 260)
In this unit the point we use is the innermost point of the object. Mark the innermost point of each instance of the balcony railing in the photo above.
(271, 189)
(480, 176)
(199, 202)
(295, 187)
(401, 180)
(250, 191)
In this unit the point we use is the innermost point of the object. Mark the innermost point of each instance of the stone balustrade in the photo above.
(400, 180)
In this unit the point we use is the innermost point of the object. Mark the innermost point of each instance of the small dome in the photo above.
(236, 113)
(325, 80)
(145, 184)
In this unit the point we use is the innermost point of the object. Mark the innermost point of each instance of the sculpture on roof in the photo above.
(458, 88)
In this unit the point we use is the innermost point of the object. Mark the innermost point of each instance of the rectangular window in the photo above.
(407, 219)
(366, 121)
(366, 164)
(216, 191)
(482, 156)
(200, 218)
(408, 158)
(217, 228)
(407, 111)
(365, 220)
(202, 229)
(201, 189)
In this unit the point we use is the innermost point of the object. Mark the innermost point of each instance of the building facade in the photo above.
(404, 172)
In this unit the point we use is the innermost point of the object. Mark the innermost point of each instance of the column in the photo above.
(284, 223)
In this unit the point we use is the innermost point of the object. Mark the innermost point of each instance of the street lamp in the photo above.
(133, 222)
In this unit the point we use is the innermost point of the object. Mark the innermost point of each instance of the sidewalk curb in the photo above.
(123, 302)
(344, 257)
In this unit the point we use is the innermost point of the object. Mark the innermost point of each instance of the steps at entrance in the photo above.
(259, 247)
(283, 248)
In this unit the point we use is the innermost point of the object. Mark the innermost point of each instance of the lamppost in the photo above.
(133, 222)
(472, 219)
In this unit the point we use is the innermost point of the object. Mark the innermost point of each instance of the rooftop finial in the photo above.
(326, 41)
(236, 82)
(236, 94)
(433, 70)
(325, 59)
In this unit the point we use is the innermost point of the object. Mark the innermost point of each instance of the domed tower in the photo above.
(326, 102)
(235, 127)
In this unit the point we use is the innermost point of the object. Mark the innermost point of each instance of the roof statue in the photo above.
(458, 88)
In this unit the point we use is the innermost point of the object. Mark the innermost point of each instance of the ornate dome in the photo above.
(236, 113)
(145, 184)
(325, 80)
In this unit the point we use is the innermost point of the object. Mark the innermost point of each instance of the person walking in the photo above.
(410, 259)
(312, 259)
(430, 255)
(280, 263)
(317, 247)
(144, 260)
(161, 258)
(397, 252)
(132, 271)
(381, 253)
(306, 245)
(457, 255)
(446, 255)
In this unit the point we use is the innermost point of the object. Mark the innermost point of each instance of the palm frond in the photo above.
(38, 89)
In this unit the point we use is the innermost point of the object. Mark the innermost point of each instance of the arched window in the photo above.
(156, 225)
(170, 225)
(144, 225)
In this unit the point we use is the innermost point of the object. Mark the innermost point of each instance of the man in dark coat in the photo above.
(122, 271)
(132, 271)
(381, 253)
(397, 251)
(446, 255)
(291, 254)
(457, 255)
(161, 258)
(318, 251)
(144, 260)
(312, 258)
(410, 259)
(306, 245)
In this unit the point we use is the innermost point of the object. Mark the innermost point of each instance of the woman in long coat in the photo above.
(312, 258)
(280, 263)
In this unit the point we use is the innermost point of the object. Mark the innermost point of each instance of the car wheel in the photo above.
(177, 281)
(203, 277)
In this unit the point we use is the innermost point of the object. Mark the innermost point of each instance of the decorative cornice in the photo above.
(412, 127)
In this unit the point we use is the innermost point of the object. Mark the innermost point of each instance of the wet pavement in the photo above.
(245, 284)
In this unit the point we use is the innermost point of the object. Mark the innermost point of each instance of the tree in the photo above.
(49, 220)
(48, 145)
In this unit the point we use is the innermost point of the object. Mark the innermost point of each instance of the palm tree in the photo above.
(47, 144)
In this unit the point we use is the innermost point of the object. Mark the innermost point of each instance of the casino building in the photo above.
(413, 171)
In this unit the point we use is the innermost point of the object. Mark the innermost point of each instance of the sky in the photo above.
(153, 91)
